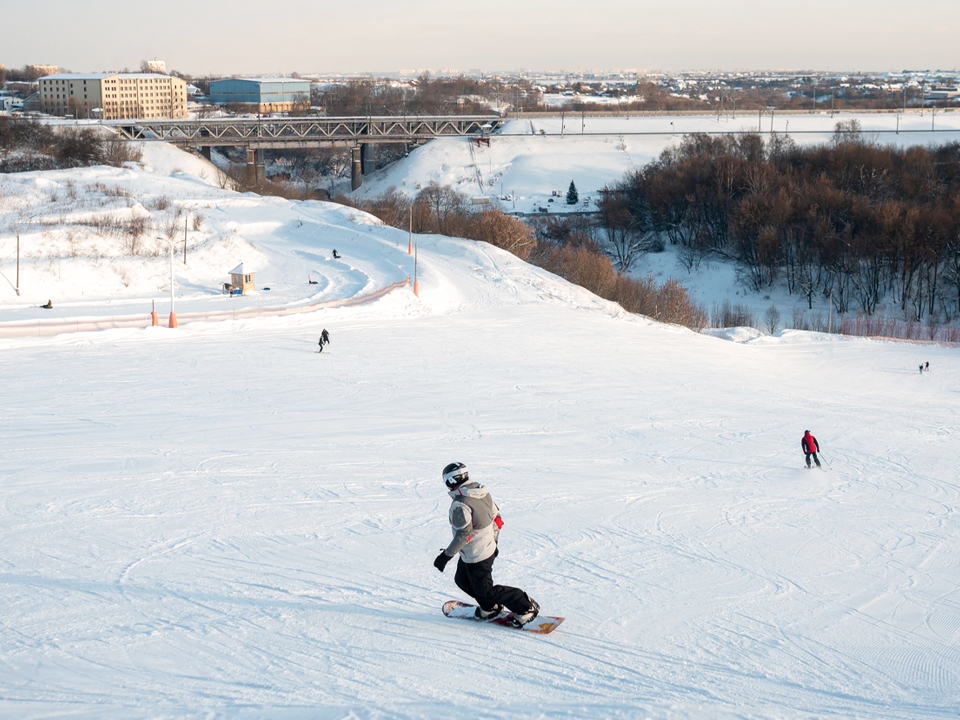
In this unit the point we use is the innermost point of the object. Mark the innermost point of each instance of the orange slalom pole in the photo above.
(173, 320)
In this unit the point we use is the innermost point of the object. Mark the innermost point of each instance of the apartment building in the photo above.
(116, 96)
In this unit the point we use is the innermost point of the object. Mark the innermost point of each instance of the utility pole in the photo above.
(830, 315)
(416, 256)
(173, 314)
(18, 259)
(185, 219)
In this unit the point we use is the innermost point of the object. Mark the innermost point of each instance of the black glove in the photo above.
(441, 562)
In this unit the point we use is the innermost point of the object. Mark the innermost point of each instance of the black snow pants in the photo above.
(476, 580)
(815, 459)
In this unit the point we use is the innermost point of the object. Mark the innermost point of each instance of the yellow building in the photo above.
(239, 280)
(117, 96)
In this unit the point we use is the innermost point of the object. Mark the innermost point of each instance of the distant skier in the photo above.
(324, 337)
(49, 305)
(811, 447)
(926, 366)
(921, 368)
(336, 255)
(476, 523)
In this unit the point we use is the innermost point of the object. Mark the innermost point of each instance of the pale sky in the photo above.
(243, 36)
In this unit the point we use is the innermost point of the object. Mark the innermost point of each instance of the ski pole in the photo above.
(825, 460)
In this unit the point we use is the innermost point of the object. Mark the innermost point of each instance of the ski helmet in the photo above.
(454, 475)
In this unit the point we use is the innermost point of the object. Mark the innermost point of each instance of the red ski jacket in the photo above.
(809, 443)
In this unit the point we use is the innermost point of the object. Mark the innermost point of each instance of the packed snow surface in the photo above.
(217, 521)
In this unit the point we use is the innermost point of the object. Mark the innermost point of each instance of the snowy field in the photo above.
(530, 159)
(216, 521)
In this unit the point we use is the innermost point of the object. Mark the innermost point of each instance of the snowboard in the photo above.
(542, 624)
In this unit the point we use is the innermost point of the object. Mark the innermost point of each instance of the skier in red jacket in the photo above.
(811, 447)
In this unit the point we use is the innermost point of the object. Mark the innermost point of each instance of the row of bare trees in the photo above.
(424, 96)
(867, 224)
(27, 145)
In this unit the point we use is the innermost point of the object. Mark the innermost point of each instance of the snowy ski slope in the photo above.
(216, 521)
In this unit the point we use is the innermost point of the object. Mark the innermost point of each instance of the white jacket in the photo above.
(474, 521)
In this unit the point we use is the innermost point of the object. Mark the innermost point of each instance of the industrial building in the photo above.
(262, 95)
(116, 96)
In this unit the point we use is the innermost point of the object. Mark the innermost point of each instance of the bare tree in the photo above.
(626, 239)
(772, 318)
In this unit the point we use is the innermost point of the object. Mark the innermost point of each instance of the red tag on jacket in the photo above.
(499, 521)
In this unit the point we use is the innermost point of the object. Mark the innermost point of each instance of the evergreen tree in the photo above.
(573, 197)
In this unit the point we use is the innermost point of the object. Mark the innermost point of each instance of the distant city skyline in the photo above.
(377, 36)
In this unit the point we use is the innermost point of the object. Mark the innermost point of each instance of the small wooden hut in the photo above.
(241, 281)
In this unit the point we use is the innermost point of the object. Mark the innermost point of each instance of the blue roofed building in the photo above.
(265, 95)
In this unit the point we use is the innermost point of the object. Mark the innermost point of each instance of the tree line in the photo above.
(873, 227)
(27, 145)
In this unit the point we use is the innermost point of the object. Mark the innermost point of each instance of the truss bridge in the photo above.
(259, 134)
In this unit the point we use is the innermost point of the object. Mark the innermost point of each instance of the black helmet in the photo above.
(455, 475)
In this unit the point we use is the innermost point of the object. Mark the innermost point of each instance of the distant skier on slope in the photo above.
(476, 524)
(811, 447)
(324, 337)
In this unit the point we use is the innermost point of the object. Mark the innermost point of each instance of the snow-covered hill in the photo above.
(96, 242)
(216, 521)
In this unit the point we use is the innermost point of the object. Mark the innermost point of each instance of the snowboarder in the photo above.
(49, 305)
(336, 255)
(811, 447)
(921, 368)
(476, 523)
(926, 366)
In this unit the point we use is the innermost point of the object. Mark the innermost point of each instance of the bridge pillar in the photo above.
(206, 151)
(356, 174)
(367, 161)
(254, 170)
